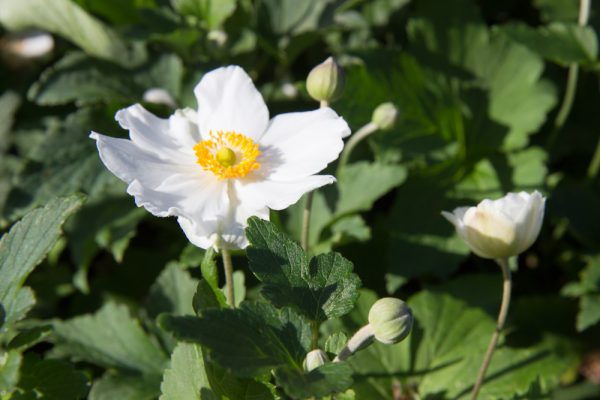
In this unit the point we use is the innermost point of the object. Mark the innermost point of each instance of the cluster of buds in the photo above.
(390, 322)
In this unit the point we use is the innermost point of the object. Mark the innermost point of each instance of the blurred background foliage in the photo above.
(483, 89)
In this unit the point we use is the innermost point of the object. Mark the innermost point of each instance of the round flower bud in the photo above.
(385, 116)
(391, 320)
(500, 228)
(314, 359)
(326, 81)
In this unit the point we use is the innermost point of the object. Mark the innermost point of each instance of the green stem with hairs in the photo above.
(228, 267)
(506, 291)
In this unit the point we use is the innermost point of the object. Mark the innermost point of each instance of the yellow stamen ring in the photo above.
(227, 154)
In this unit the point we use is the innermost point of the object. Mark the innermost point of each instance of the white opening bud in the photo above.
(385, 116)
(500, 228)
(325, 82)
(391, 320)
(314, 359)
(33, 44)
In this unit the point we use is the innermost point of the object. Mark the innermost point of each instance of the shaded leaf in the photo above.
(322, 381)
(320, 288)
(112, 339)
(248, 341)
(24, 247)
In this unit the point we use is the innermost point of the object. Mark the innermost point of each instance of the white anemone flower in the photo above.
(215, 167)
(500, 228)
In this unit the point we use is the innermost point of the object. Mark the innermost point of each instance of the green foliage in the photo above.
(67, 19)
(588, 292)
(24, 247)
(258, 337)
(321, 287)
(444, 352)
(122, 307)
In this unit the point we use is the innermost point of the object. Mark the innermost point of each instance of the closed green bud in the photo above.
(326, 81)
(391, 320)
(314, 359)
(385, 116)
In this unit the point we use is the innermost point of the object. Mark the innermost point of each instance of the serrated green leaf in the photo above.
(24, 247)
(63, 162)
(321, 288)
(361, 183)
(50, 379)
(65, 18)
(124, 386)
(112, 339)
(209, 269)
(559, 42)
(322, 381)
(444, 352)
(186, 378)
(336, 342)
(248, 341)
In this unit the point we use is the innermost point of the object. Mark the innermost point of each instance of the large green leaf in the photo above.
(452, 35)
(248, 341)
(24, 247)
(112, 339)
(79, 78)
(321, 288)
(186, 378)
(360, 184)
(443, 354)
(67, 19)
(559, 42)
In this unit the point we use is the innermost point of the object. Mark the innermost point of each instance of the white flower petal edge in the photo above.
(228, 101)
(501, 228)
(165, 174)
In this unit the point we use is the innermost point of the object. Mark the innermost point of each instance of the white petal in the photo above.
(228, 101)
(530, 228)
(300, 144)
(278, 195)
(227, 232)
(148, 132)
(183, 129)
(163, 188)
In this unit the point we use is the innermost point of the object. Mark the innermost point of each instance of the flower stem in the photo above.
(362, 338)
(356, 138)
(571, 88)
(506, 289)
(228, 267)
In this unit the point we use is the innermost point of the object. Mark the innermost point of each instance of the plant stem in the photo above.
(356, 138)
(595, 163)
(506, 289)
(571, 88)
(315, 334)
(362, 338)
(228, 267)
(307, 206)
(306, 221)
